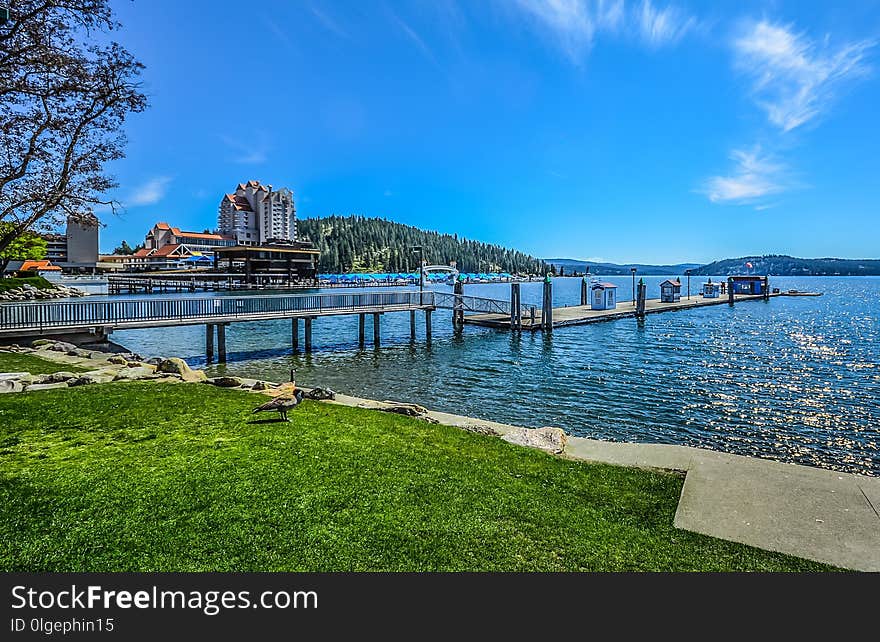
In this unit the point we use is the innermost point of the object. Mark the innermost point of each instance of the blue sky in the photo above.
(643, 131)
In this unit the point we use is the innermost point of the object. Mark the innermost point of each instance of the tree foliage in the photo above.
(125, 249)
(356, 243)
(65, 91)
(27, 246)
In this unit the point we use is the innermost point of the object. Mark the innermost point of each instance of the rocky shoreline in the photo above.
(28, 292)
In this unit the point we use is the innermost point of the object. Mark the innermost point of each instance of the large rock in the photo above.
(10, 385)
(173, 365)
(94, 376)
(42, 342)
(133, 374)
(45, 386)
(62, 346)
(225, 382)
(552, 440)
(57, 377)
(117, 359)
(12, 375)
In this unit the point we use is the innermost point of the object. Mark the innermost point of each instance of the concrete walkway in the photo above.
(809, 512)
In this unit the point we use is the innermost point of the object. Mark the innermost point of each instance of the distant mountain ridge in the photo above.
(783, 265)
(772, 264)
(614, 269)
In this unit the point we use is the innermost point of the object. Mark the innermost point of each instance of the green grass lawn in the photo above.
(15, 362)
(162, 477)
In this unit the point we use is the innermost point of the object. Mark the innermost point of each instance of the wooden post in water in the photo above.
(547, 304)
(766, 287)
(641, 298)
(412, 325)
(515, 307)
(308, 332)
(585, 289)
(294, 333)
(730, 290)
(458, 305)
(376, 329)
(209, 342)
(361, 323)
(221, 342)
(428, 325)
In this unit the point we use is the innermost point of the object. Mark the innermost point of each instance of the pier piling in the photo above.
(308, 330)
(458, 306)
(361, 323)
(585, 296)
(730, 290)
(376, 338)
(547, 305)
(209, 342)
(641, 298)
(515, 307)
(294, 334)
(221, 342)
(428, 326)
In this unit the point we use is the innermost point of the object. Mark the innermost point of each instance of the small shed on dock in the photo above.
(748, 284)
(670, 291)
(604, 296)
(711, 290)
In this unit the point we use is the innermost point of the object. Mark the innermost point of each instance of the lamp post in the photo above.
(633, 270)
(688, 272)
(417, 249)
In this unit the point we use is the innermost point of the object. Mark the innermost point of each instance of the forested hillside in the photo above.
(782, 265)
(358, 244)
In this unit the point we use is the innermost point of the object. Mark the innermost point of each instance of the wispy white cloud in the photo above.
(252, 150)
(327, 22)
(755, 175)
(415, 38)
(660, 27)
(150, 192)
(575, 24)
(794, 79)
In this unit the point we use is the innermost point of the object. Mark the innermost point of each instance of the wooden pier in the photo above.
(583, 314)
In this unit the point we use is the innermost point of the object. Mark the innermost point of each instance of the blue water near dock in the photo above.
(794, 378)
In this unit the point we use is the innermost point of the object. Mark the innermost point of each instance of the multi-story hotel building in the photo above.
(255, 214)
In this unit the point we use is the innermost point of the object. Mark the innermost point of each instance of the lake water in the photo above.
(793, 379)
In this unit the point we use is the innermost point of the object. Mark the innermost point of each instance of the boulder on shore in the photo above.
(551, 440)
(225, 382)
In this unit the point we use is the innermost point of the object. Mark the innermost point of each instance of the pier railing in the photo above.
(477, 304)
(144, 312)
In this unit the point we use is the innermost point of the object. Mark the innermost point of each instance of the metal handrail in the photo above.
(474, 304)
(84, 313)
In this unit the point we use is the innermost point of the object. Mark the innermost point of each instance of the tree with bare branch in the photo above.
(65, 91)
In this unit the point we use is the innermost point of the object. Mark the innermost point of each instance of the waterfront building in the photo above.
(162, 235)
(711, 290)
(284, 261)
(255, 214)
(749, 284)
(670, 291)
(604, 296)
(77, 249)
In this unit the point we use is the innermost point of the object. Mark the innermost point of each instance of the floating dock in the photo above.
(584, 314)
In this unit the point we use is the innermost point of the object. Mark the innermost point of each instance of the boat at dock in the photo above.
(799, 293)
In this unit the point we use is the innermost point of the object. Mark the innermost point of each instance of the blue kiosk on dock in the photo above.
(749, 284)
